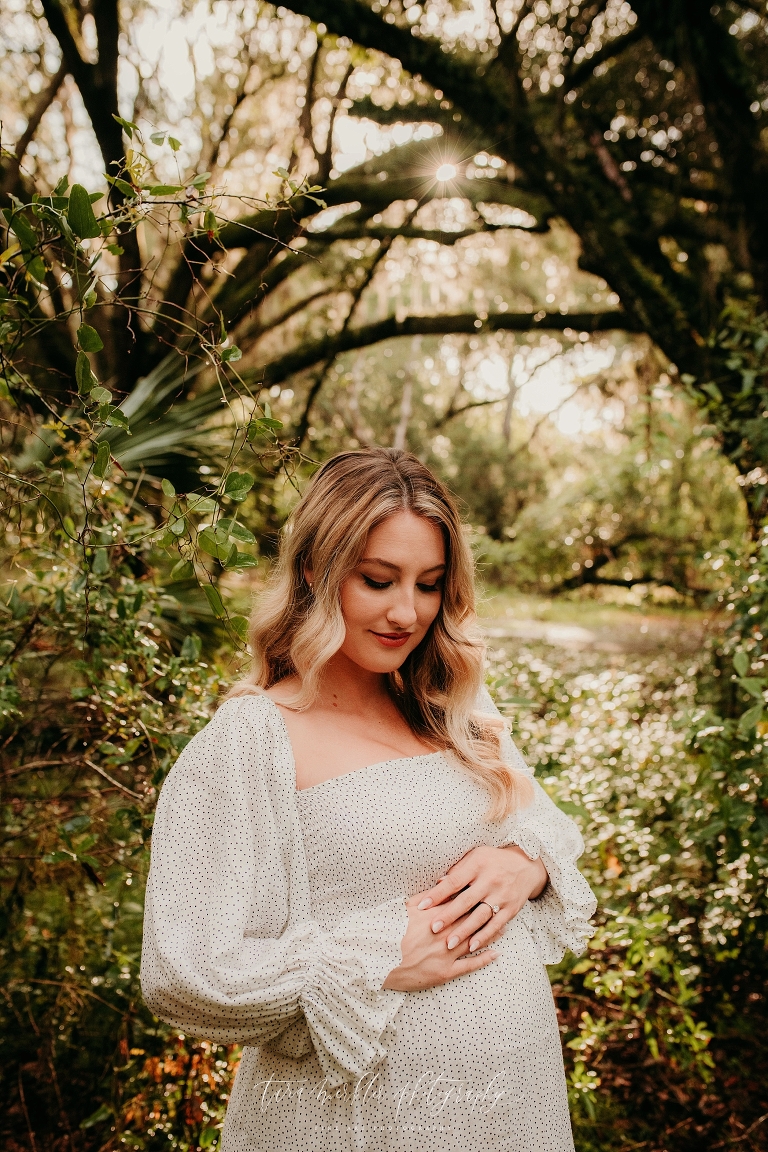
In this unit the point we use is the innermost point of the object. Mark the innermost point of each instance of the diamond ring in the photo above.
(493, 907)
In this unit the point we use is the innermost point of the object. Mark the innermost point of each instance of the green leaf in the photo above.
(242, 560)
(103, 457)
(83, 374)
(103, 1112)
(191, 648)
(174, 143)
(741, 663)
(178, 526)
(712, 390)
(753, 685)
(168, 488)
(215, 601)
(101, 396)
(127, 189)
(80, 215)
(202, 505)
(59, 857)
(61, 186)
(164, 189)
(17, 606)
(36, 269)
(282, 173)
(115, 249)
(101, 562)
(214, 544)
(208, 1136)
(158, 138)
(183, 570)
(240, 626)
(89, 339)
(263, 424)
(751, 718)
(118, 419)
(230, 355)
(128, 125)
(200, 180)
(237, 531)
(238, 485)
(24, 232)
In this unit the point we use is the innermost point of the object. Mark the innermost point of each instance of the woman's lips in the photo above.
(392, 639)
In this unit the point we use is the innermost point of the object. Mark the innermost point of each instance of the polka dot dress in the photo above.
(273, 917)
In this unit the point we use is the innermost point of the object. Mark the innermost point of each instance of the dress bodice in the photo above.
(378, 832)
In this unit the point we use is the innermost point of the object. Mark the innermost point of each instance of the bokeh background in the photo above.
(524, 240)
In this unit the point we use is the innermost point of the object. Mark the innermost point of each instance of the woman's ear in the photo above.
(309, 576)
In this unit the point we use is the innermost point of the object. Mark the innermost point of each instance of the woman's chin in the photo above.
(380, 660)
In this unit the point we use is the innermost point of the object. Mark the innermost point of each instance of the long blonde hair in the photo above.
(295, 630)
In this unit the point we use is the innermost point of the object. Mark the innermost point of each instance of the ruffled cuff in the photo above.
(350, 1016)
(559, 919)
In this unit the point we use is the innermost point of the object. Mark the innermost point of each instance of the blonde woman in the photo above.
(336, 851)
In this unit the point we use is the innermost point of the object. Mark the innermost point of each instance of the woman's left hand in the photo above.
(502, 877)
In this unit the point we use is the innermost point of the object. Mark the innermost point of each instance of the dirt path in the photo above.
(626, 632)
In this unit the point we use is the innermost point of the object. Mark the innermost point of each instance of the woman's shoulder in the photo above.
(244, 739)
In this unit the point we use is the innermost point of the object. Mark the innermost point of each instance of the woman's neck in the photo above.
(347, 687)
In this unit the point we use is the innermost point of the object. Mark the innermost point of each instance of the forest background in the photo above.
(524, 239)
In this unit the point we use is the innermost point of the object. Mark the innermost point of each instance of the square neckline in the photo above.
(342, 775)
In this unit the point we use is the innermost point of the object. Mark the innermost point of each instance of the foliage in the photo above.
(673, 985)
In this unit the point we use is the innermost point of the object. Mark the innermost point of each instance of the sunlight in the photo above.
(446, 172)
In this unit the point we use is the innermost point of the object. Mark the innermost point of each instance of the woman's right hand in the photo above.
(426, 960)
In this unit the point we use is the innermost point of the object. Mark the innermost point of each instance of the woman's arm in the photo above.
(230, 951)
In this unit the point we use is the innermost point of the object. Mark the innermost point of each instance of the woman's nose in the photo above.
(402, 613)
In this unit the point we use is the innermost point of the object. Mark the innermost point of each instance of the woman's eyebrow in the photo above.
(396, 567)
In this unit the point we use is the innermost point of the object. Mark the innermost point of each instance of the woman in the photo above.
(335, 851)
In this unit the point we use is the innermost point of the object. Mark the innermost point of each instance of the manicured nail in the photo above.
(493, 955)
(452, 941)
(474, 944)
(425, 903)
(437, 925)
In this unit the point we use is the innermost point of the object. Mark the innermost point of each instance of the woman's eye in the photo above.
(429, 587)
(376, 583)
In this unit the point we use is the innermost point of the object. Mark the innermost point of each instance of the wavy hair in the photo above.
(295, 630)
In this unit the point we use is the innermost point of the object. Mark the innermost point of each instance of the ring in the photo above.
(493, 907)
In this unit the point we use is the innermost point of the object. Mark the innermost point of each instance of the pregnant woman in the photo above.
(354, 874)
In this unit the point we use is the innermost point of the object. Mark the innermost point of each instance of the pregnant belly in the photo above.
(503, 1008)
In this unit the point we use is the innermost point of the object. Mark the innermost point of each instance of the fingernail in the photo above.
(474, 944)
(493, 955)
(425, 903)
(453, 941)
(437, 925)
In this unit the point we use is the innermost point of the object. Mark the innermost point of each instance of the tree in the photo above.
(251, 276)
(641, 127)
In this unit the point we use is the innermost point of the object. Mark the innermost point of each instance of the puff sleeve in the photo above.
(230, 951)
(559, 919)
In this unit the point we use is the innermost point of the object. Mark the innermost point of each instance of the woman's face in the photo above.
(394, 594)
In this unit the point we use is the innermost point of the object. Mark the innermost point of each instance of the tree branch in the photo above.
(578, 74)
(41, 106)
(418, 56)
(312, 352)
(303, 425)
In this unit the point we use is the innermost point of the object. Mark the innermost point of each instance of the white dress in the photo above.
(273, 917)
